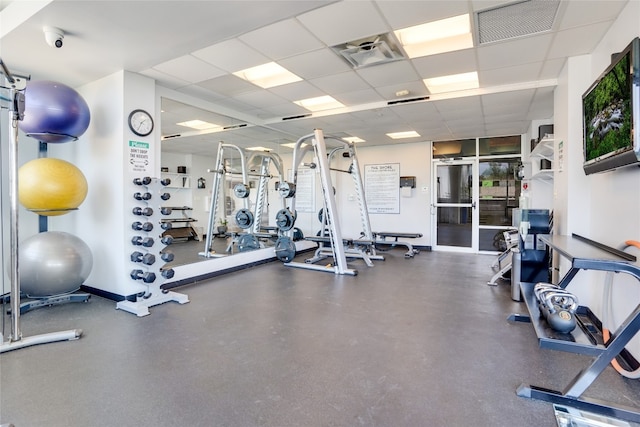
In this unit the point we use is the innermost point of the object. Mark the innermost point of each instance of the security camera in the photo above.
(53, 36)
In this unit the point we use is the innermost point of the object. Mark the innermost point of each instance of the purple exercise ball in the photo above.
(54, 112)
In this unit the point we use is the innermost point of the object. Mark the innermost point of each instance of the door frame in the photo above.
(475, 195)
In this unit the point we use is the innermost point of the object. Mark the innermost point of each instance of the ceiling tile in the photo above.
(261, 99)
(506, 102)
(417, 111)
(282, 39)
(510, 75)
(165, 80)
(189, 68)
(231, 55)
(342, 82)
(344, 21)
(461, 61)
(512, 52)
(577, 41)
(315, 64)
(389, 74)
(297, 91)
(579, 13)
(229, 85)
(415, 89)
(359, 97)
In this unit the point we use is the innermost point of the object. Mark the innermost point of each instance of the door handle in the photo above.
(473, 205)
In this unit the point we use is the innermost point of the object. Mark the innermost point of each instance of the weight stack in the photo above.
(148, 249)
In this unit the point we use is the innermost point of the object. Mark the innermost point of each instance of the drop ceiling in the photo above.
(191, 48)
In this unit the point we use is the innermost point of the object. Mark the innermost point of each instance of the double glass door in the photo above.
(473, 203)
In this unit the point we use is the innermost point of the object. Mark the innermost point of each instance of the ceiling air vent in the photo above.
(369, 51)
(408, 100)
(518, 19)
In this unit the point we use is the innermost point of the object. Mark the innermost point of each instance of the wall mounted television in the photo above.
(611, 114)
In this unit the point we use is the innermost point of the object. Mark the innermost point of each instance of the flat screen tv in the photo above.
(611, 114)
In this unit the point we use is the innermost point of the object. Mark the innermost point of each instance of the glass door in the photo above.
(454, 206)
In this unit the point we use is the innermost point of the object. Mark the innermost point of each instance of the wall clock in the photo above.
(140, 122)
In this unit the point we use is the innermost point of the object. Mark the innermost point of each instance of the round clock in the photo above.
(140, 122)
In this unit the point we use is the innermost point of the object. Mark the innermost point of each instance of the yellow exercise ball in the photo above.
(51, 186)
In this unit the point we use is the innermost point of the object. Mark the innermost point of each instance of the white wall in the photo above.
(603, 207)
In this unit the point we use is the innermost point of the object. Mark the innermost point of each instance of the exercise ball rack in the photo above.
(16, 85)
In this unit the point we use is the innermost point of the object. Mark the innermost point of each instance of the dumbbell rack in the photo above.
(148, 248)
(586, 339)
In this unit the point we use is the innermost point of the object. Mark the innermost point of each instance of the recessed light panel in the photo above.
(402, 135)
(258, 149)
(268, 75)
(452, 82)
(319, 103)
(353, 139)
(445, 35)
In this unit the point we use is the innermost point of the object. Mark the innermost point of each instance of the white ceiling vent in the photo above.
(516, 20)
(369, 51)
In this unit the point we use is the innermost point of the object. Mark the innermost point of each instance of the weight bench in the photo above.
(383, 235)
(353, 248)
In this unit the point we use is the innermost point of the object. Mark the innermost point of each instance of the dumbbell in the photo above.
(168, 273)
(142, 181)
(167, 256)
(147, 259)
(166, 225)
(167, 240)
(138, 226)
(142, 196)
(142, 211)
(147, 242)
(165, 196)
(166, 210)
(146, 277)
(165, 181)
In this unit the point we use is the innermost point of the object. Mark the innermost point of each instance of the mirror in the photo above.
(204, 164)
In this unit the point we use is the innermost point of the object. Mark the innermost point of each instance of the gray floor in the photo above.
(409, 342)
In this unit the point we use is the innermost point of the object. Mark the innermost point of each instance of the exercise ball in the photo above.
(54, 112)
(51, 186)
(53, 263)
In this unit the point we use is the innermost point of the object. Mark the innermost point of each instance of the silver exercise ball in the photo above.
(53, 263)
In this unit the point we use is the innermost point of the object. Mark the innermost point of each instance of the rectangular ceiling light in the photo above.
(198, 124)
(319, 103)
(268, 75)
(445, 35)
(258, 149)
(353, 139)
(293, 145)
(453, 82)
(401, 135)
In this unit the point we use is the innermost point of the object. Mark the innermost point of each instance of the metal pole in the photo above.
(16, 335)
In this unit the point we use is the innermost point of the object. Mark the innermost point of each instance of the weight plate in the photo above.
(241, 191)
(285, 219)
(244, 218)
(287, 189)
(248, 242)
(285, 249)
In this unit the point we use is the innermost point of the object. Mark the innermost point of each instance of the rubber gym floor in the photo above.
(409, 342)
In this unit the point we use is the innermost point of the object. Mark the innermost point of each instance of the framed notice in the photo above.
(306, 190)
(382, 188)
(140, 157)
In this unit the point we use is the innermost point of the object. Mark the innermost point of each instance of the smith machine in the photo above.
(339, 248)
(244, 217)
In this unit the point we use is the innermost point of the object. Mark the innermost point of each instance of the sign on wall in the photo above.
(382, 188)
(305, 190)
(140, 157)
